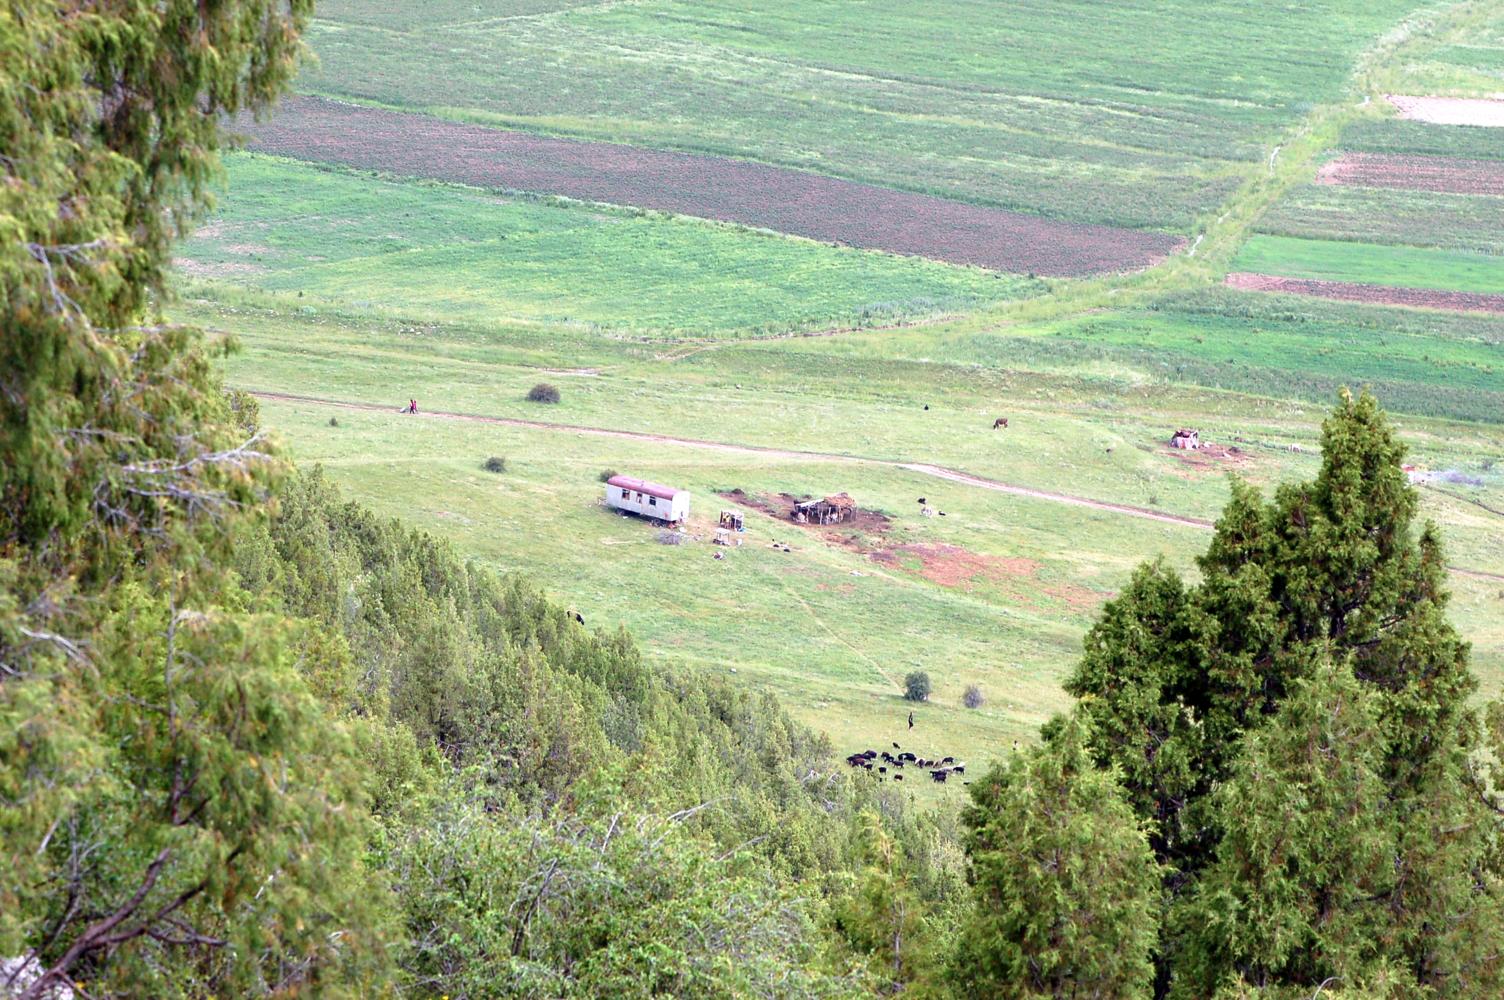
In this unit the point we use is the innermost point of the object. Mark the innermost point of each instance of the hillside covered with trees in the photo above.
(256, 740)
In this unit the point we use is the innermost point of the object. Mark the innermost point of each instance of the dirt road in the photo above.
(923, 468)
(937, 471)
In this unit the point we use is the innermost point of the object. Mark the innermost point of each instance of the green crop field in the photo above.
(342, 237)
(1467, 65)
(1327, 260)
(1394, 135)
(1142, 114)
(1472, 223)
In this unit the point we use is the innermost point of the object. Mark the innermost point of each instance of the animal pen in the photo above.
(730, 528)
(826, 510)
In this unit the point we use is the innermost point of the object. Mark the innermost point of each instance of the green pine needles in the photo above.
(1287, 746)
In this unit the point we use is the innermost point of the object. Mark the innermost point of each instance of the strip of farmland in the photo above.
(719, 188)
(1352, 291)
(1415, 173)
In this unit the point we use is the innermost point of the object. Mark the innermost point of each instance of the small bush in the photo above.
(916, 686)
(973, 697)
(495, 464)
(334, 421)
(543, 392)
(607, 475)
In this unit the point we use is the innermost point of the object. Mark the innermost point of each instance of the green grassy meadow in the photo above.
(345, 237)
(771, 365)
(1371, 263)
(1144, 114)
(998, 592)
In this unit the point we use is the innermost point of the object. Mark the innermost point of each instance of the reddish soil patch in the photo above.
(1450, 110)
(1417, 298)
(776, 198)
(953, 566)
(1415, 173)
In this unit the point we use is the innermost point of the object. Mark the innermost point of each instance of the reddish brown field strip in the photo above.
(752, 194)
(1351, 291)
(1415, 173)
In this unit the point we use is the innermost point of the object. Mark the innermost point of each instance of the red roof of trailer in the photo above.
(643, 486)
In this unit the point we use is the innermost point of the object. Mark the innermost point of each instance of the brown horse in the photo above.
(1000, 422)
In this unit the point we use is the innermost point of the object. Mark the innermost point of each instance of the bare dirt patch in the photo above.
(783, 200)
(1415, 173)
(1352, 291)
(1211, 457)
(954, 566)
(781, 506)
(1449, 110)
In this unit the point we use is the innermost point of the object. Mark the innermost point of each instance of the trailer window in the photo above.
(626, 494)
(652, 501)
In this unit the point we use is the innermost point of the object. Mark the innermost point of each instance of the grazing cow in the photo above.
(922, 500)
(897, 777)
(959, 769)
(1000, 422)
(911, 720)
(948, 760)
(926, 406)
(869, 754)
(896, 747)
(578, 617)
(939, 776)
(882, 770)
(905, 756)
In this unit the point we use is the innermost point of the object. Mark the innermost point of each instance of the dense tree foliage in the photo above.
(174, 804)
(1295, 734)
(1067, 894)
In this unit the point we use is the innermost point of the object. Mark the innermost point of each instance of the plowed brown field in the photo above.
(783, 200)
(1415, 173)
(1422, 298)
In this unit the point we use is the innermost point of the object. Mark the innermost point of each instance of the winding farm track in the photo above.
(923, 468)
(939, 472)
(788, 201)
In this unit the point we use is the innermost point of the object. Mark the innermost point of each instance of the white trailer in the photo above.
(654, 500)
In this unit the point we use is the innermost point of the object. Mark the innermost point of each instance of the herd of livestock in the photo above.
(888, 764)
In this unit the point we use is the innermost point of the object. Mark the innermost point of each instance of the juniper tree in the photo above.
(1188, 694)
(178, 813)
(1067, 890)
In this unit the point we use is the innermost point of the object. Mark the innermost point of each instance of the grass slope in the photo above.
(998, 592)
